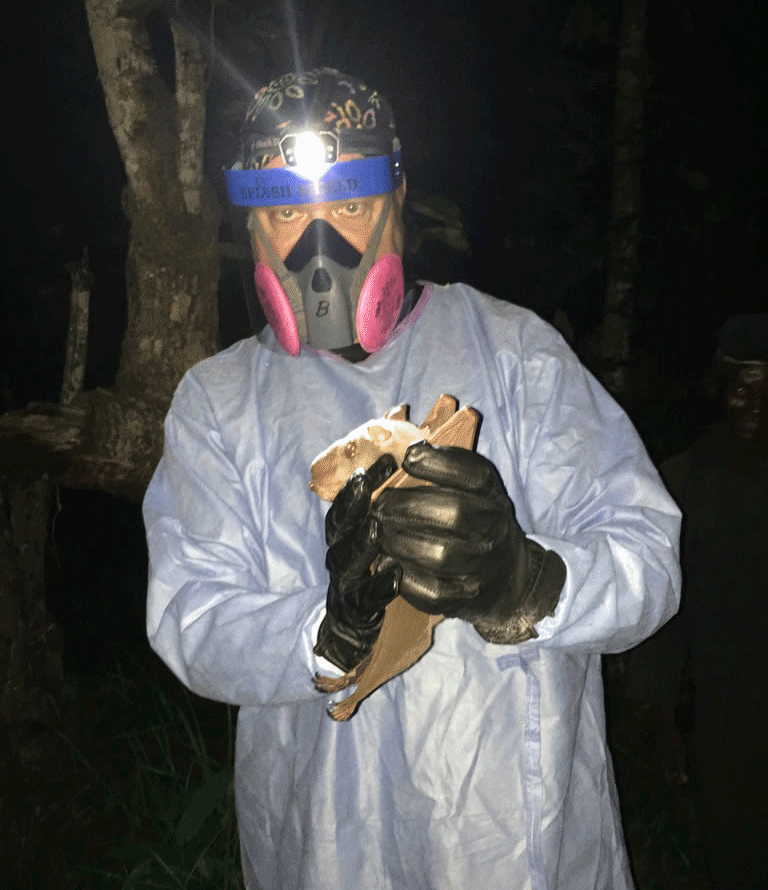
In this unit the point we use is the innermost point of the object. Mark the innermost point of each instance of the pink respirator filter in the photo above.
(381, 299)
(277, 308)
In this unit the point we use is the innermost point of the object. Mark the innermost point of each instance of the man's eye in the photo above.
(351, 208)
(285, 214)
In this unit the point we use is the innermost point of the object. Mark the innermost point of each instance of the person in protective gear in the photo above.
(721, 484)
(485, 763)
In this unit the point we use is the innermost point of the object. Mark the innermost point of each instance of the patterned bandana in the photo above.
(322, 99)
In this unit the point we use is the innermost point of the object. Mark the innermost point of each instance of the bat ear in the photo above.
(399, 412)
(379, 434)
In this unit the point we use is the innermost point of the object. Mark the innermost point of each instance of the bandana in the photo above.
(322, 99)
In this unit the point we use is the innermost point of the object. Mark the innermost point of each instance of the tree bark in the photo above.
(77, 334)
(173, 263)
(30, 649)
(626, 201)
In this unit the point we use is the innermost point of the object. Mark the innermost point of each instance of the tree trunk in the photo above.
(173, 263)
(30, 650)
(112, 439)
(631, 80)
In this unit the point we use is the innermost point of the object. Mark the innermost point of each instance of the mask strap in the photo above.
(286, 279)
(366, 263)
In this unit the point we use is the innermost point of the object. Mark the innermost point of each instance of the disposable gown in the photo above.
(482, 765)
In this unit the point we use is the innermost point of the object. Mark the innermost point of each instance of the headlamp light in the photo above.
(310, 154)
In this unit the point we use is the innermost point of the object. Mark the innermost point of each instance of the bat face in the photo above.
(360, 449)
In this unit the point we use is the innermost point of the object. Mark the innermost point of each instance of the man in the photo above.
(721, 484)
(485, 764)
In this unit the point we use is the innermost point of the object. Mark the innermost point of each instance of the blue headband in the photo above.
(345, 179)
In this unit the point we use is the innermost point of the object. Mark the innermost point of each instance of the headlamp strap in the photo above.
(345, 180)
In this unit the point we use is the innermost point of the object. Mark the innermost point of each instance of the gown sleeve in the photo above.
(655, 668)
(594, 497)
(210, 614)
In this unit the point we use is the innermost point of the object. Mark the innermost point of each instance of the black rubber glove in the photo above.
(461, 549)
(356, 598)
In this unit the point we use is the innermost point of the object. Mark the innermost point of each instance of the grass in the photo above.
(135, 792)
(661, 824)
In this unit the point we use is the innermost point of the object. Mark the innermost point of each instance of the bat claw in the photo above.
(331, 684)
(343, 710)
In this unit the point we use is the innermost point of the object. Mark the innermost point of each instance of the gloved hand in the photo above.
(356, 598)
(461, 549)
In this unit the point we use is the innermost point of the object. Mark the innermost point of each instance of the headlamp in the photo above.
(310, 153)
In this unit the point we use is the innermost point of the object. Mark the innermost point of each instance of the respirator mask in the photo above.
(325, 292)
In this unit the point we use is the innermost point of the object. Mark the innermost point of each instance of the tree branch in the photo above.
(77, 334)
(108, 441)
(138, 104)
(190, 113)
(626, 198)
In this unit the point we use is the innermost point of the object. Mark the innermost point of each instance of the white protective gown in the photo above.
(482, 765)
